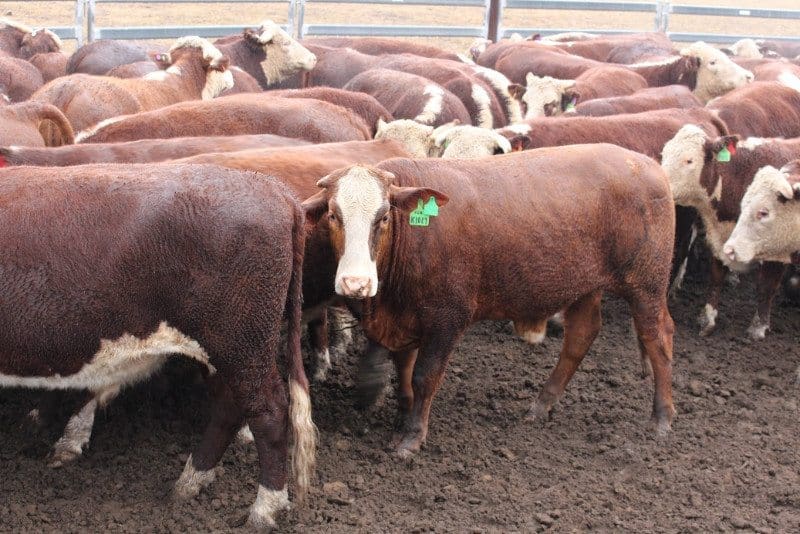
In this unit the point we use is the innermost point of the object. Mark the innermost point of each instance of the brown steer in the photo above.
(495, 251)
(193, 260)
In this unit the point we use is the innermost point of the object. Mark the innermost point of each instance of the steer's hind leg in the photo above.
(318, 332)
(654, 328)
(76, 434)
(225, 419)
(581, 324)
(269, 422)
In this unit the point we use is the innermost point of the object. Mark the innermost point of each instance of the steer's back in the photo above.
(98, 252)
(557, 223)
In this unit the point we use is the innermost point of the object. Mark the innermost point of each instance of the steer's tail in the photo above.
(304, 432)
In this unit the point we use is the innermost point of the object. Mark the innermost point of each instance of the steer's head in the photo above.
(717, 73)
(363, 206)
(545, 96)
(39, 41)
(769, 224)
(688, 160)
(284, 55)
(188, 50)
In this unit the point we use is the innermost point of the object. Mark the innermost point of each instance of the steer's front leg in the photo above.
(427, 376)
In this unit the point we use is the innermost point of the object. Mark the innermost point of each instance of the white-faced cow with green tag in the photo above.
(497, 251)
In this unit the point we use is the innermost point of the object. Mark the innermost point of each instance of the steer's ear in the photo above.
(692, 63)
(406, 198)
(729, 142)
(161, 59)
(516, 90)
(519, 142)
(315, 206)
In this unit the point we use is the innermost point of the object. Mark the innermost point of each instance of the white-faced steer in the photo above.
(108, 270)
(268, 54)
(769, 227)
(424, 278)
(197, 70)
(710, 174)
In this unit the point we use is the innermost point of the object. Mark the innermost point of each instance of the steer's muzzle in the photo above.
(356, 286)
(729, 252)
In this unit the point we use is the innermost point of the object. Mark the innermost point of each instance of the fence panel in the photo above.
(736, 12)
(396, 30)
(73, 32)
(655, 8)
(168, 32)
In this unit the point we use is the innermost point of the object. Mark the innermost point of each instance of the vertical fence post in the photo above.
(494, 16)
(80, 6)
(663, 21)
(291, 27)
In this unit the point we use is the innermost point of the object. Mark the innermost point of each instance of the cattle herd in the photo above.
(213, 198)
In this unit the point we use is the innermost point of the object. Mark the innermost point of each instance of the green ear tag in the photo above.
(724, 155)
(431, 208)
(418, 216)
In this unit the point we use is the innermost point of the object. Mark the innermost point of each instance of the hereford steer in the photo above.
(34, 124)
(768, 228)
(377, 46)
(142, 151)
(19, 79)
(99, 57)
(545, 96)
(51, 65)
(39, 41)
(268, 54)
(408, 96)
(312, 120)
(669, 96)
(714, 185)
(365, 106)
(761, 109)
(420, 309)
(12, 33)
(197, 70)
(627, 49)
(192, 260)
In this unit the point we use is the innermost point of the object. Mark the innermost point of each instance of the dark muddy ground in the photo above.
(730, 463)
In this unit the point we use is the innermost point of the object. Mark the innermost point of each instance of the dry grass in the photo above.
(56, 13)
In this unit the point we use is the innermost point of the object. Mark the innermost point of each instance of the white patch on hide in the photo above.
(359, 197)
(483, 102)
(119, 362)
(433, 106)
(192, 481)
(267, 504)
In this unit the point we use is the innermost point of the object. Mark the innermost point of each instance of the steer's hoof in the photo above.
(268, 503)
(757, 330)
(541, 411)
(408, 447)
(61, 457)
(260, 523)
(706, 330)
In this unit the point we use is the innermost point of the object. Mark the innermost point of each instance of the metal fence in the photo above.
(396, 30)
(492, 26)
(95, 32)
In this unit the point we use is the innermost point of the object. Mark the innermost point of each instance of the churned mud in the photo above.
(730, 463)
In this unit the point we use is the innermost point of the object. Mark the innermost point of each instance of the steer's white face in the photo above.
(360, 203)
(285, 56)
(717, 74)
(682, 159)
(768, 228)
(543, 95)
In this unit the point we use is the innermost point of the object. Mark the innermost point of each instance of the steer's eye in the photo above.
(689, 161)
(762, 213)
(714, 62)
(331, 216)
(385, 218)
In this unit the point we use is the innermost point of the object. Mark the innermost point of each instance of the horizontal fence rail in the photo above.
(305, 30)
(95, 32)
(85, 20)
